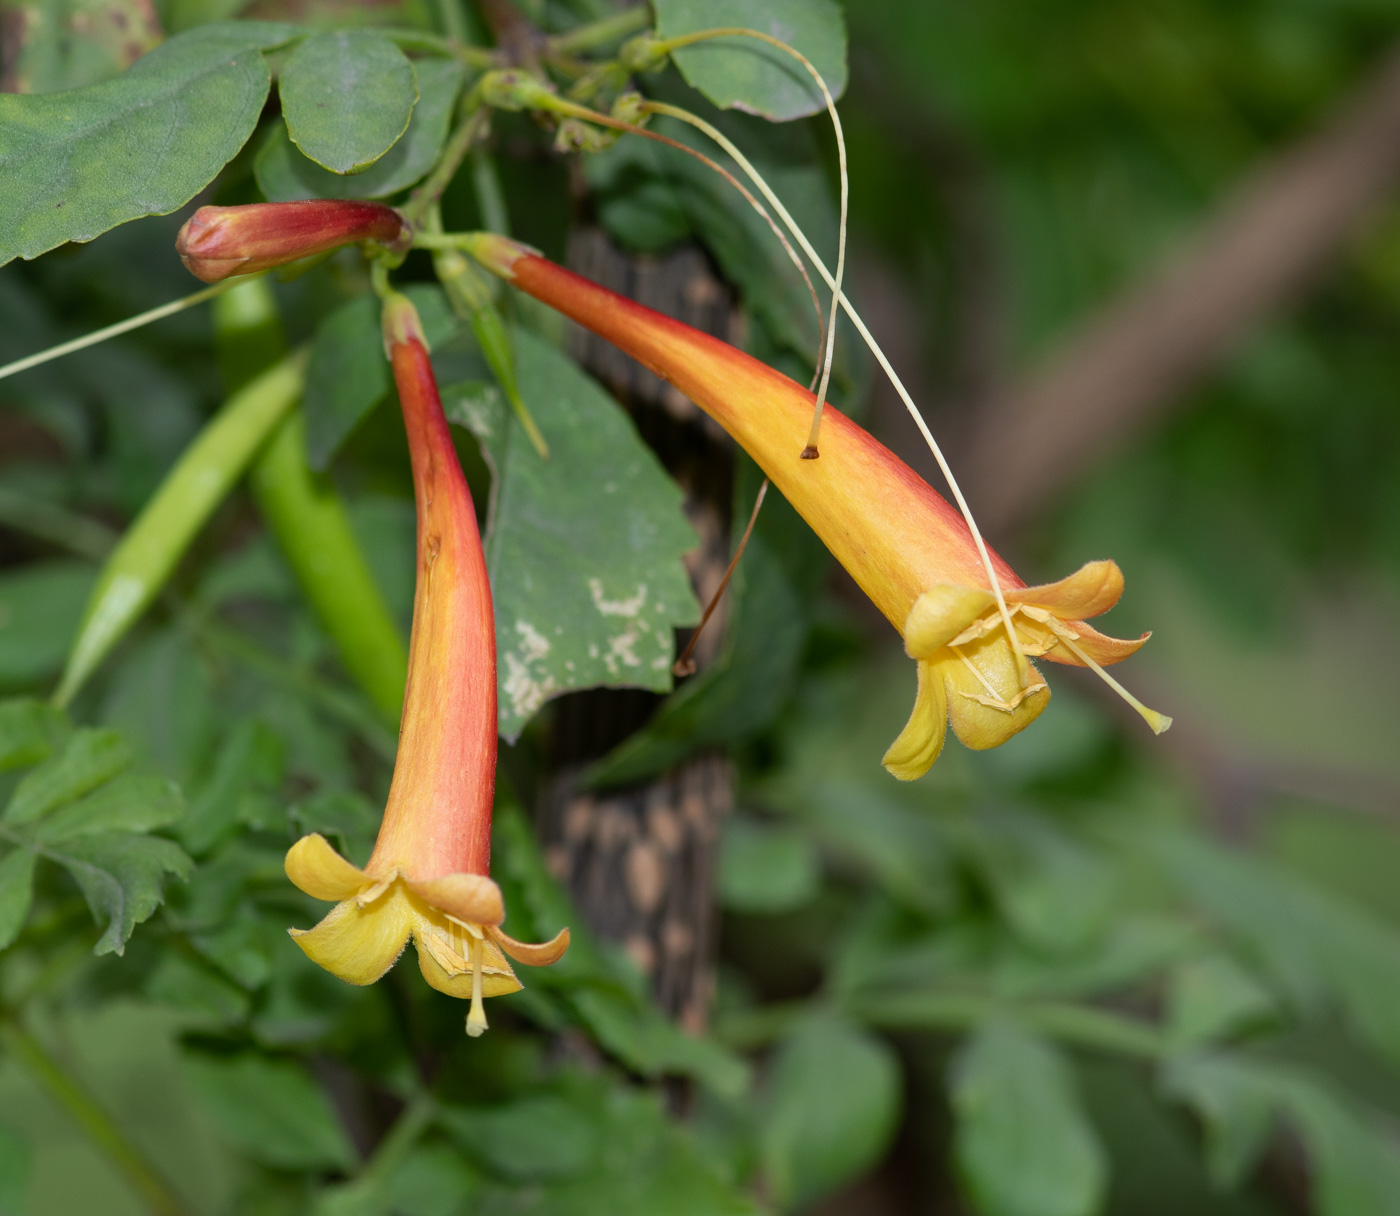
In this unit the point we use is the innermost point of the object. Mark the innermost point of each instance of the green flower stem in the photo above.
(112, 331)
(100, 1127)
(201, 479)
(427, 194)
(436, 44)
(490, 197)
(309, 520)
(306, 515)
(1079, 1025)
(601, 33)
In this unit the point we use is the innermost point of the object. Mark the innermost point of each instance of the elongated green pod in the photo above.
(309, 520)
(471, 300)
(307, 516)
(201, 479)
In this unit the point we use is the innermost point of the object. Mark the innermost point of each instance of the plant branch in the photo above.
(1131, 361)
(600, 33)
(99, 1126)
(428, 194)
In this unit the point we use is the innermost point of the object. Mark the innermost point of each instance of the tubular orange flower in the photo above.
(906, 547)
(428, 877)
(219, 242)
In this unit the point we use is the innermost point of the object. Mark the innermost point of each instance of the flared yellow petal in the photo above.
(532, 954)
(986, 703)
(1094, 588)
(912, 754)
(360, 944)
(1098, 646)
(471, 898)
(939, 615)
(497, 978)
(320, 871)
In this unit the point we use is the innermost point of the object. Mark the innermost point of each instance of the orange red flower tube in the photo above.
(909, 550)
(428, 877)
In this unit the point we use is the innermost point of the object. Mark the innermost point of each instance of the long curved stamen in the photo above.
(1023, 669)
(1157, 721)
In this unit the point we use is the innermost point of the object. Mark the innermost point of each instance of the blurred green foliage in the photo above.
(1038, 978)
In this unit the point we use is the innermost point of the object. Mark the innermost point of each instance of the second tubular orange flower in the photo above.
(909, 550)
(428, 878)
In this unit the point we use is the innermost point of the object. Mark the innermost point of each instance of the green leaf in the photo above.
(187, 984)
(1214, 997)
(764, 868)
(348, 374)
(1354, 1159)
(29, 731)
(16, 893)
(249, 763)
(15, 1167)
(66, 44)
(746, 74)
(142, 144)
(1313, 943)
(538, 1138)
(584, 549)
(41, 604)
(1023, 1144)
(347, 98)
(272, 1111)
(90, 758)
(833, 1108)
(753, 676)
(129, 803)
(284, 174)
(122, 876)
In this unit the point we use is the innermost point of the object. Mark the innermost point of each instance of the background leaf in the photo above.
(40, 606)
(584, 549)
(88, 759)
(74, 164)
(284, 174)
(122, 876)
(272, 1111)
(1023, 1144)
(16, 892)
(747, 74)
(833, 1106)
(347, 98)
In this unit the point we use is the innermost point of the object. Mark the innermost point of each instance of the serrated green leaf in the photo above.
(74, 164)
(348, 374)
(347, 98)
(747, 74)
(765, 868)
(250, 761)
(129, 803)
(89, 758)
(584, 549)
(16, 893)
(284, 174)
(29, 731)
(833, 1107)
(272, 1111)
(122, 877)
(1023, 1144)
(41, 604)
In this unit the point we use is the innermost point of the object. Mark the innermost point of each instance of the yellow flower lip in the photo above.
(453, 920)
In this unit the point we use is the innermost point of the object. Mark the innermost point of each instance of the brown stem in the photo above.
(1129, 363)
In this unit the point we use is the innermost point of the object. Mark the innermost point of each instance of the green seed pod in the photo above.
(307, 516)
(201, 479)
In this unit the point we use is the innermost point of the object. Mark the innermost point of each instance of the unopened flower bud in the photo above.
(218, 242)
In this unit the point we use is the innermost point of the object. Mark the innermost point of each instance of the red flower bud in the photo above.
(217, 242)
